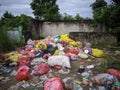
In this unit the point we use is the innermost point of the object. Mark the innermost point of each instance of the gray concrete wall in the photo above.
(46, 28)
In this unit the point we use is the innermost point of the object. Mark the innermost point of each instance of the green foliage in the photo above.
(109, 62)
(77, 17)
(99, 12)
(45, 9)
(7, 15)
(98, 4)
(68, 17)
(108, 15)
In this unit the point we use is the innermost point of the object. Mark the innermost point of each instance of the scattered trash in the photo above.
(78, 87)
(13, 73)
(90, 66)
(81, 69)
(64, 71)
(69, 83)
(40, 61)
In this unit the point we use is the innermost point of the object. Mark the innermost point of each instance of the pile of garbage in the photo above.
(37, 59)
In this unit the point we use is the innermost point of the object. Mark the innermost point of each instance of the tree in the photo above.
(107, 14)
(99, 12)
(45, 9)
(68, 17)
(77, 17)
(8, 15)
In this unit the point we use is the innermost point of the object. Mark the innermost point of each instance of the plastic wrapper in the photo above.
(28, 47)
(50, 49)
(115, 73)
(82, 55)
(97, 53)
(23, 73)
(54, 84)
(63, 61)
(73, 57)
(87, 50)
(41, 69)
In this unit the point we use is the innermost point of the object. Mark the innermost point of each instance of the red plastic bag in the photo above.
(115, 73)
(57, 67)
(54, 84)
(73, 51)
(41, 69)
(23, 73)
(24, 60)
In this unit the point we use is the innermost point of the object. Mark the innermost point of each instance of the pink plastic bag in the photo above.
(54, 84)
(41, 69)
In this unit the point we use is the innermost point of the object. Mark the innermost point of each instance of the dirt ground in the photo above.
(5, 85)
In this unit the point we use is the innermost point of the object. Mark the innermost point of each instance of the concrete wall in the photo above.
(46, 28)
(94, 37)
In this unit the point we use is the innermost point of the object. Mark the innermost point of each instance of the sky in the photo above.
(71, 7)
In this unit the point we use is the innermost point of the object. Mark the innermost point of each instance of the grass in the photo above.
(109, 62)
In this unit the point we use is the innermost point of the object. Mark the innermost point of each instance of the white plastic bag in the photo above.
(63, 61)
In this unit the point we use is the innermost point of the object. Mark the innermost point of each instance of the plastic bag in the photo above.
(73, 43)
(102, 79)
(73, 50)
(115, 73)
(51, 50)
(24, 60)
(41, 45)
(23, 73)
(97, 53)
(54, 84)
(41, 69)
(14, 58)
(63, 61)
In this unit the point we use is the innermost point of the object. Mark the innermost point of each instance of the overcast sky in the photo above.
(71, 7)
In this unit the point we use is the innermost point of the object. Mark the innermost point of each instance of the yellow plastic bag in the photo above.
(14, 58)
(56, 52)
(41, 43)
(97, 53)
(69, 41)
(65, 37)
(73, 43)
